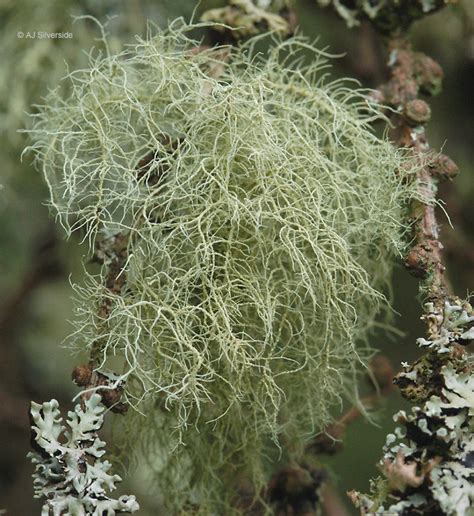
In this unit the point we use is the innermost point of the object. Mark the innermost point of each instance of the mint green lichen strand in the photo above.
(260, 245)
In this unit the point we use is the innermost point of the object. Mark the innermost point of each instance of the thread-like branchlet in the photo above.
(262, 216)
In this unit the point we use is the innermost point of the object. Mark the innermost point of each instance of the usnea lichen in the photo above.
(260, 216)
(39, 41)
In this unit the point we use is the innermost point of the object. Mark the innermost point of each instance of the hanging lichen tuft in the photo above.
(254, 216)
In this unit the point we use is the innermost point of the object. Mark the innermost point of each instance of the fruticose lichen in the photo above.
(69, 470)
(38, 42)
(258, 215)
(428, 460)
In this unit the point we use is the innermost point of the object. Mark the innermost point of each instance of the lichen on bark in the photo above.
(428, 459)
(70, 472)
(386, 15)
(253, 266)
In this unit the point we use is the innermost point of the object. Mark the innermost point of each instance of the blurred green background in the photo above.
(37, 264)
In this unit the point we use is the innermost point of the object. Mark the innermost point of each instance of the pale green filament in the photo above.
(261, 241)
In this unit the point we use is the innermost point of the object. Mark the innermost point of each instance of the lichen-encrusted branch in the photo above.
(69, 470)
(111, 252)
(411, 74)
(386, 15)
(245, 18)
(427, 462)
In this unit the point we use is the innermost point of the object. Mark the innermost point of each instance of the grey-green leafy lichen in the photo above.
(245, 18)
(69, 469)
(386, 15)
(428, 460)
(260, 216)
